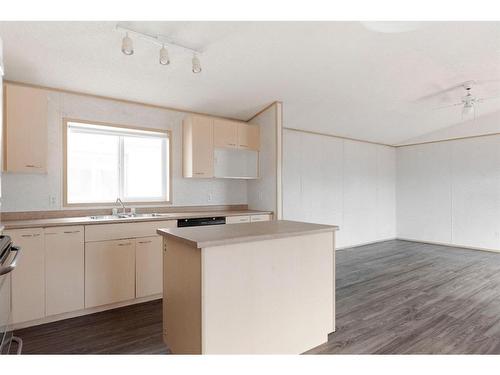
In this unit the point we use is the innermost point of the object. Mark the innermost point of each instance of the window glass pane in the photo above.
(144, 168)
(93, 167)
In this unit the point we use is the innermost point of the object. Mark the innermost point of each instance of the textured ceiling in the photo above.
(334, 77)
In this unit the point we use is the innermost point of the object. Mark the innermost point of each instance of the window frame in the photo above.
(168, 175)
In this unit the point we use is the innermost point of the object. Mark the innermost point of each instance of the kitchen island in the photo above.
(253, 288)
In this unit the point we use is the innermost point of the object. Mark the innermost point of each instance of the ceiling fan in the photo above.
(469, 102)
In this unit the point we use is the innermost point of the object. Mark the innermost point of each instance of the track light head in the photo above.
(468, 110)
(196, 64)
(164, 59)
(127, 45)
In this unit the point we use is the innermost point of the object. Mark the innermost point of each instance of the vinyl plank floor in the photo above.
(135, 329)
(402, 297)
(393, 297)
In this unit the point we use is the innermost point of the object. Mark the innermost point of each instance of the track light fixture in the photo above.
(196, 64)
(164, 59)
(161, 40)
(127, 45)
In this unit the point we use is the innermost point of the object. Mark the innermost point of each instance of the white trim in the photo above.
(450, 245)
(365, 243)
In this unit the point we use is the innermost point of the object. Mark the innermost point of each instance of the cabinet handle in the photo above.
(124, 244)
(71, 231)
(199, 173)
(232, 144)
(32, 166)
(26, 235)
(243, 145)
(144, 241)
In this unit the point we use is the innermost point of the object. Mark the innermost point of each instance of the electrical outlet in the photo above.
(52, 201)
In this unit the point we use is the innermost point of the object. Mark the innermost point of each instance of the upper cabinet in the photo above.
(214, 147)
(225, 133)
(198, 146)
(25, 129)
(248, 137)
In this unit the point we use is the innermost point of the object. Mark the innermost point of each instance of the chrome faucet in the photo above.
(118, 200)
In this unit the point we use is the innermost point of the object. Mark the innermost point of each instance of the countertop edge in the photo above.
(84, 220)
(244, 239)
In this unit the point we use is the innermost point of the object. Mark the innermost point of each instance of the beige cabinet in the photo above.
(235, 143)
(237, 219)
(248, 137)
(263, 217)
(198, 147)
(148, 266)
(28, 281)
(25, 129)
(64, 269)
(225, 133)
(109, 272)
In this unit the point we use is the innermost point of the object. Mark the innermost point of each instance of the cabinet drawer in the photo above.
(264, 217)
(103, 232)
(237, 219)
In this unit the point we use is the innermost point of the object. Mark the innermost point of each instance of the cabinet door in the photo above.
(109, 272)
(237, 219)
(148, 266)
(225, 133)
(248, 137)
(198, 133)
(64, 269)
(26, 129)
(28, 279)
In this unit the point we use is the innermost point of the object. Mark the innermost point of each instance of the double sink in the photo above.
(130, 216)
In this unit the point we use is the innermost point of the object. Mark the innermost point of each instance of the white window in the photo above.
(109, 162)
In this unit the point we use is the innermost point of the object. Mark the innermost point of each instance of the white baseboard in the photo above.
(364, 243)
(74, 314)
(450, 245)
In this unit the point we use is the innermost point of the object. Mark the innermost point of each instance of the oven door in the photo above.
(8, 263)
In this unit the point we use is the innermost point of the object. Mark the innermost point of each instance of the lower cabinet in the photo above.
(237, 219)
(28, 280)
(64, 265)
(248, 218)
(109, 272)
(256, 218)
(148, 266)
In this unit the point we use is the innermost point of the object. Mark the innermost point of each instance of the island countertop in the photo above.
(217, 235)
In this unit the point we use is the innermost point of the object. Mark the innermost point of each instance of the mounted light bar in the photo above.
(162, 41)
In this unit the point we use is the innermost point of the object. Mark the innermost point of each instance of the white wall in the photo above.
(331, 180)
(262, 193)
(26, 192)
(449, 192)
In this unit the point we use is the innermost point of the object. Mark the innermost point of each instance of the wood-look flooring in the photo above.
(135, 329)
(401, 297)
(393, 297)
